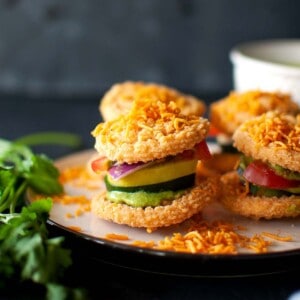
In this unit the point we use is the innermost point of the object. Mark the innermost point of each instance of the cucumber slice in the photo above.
(286, 173)
(265, 192)
(172, 185)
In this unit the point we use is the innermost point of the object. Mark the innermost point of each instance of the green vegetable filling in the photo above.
(142, 198)
(149, 195)
(256, 190)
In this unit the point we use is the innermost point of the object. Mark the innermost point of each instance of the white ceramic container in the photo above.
(270, 65)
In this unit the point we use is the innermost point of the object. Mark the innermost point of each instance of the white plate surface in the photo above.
(91, 226)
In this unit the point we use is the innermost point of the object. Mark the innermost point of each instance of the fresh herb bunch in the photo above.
(26, 251)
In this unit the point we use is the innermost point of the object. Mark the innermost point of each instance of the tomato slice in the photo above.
(213, 131)
(261, 174)
(100, 164)
(202, 151)
(199, 152)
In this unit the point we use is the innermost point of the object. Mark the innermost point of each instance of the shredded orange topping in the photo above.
(74, 199)
(218, 237)
(258, 102)
(79, 177)
(277, 237)
(230, 112)
(154, 92)
(84, 204)
(280, 130)
(149, 109)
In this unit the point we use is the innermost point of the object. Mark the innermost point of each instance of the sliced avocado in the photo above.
(172, 185)
(158, 173)
(286, 173)
(141, 198)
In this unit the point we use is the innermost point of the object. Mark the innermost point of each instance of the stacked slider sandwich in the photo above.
(266, 183)
(151, 154)
(227, 114)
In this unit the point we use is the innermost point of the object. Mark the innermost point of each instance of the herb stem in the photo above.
(17, 195)
(51, 137)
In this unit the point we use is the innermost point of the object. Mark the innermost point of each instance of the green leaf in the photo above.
(59, 292)
(7, 189)
(51, 137)
(24, 243)
(42, 175)
(26, 251)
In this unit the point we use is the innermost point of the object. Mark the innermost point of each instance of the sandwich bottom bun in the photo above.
(174, 212)
(234, 197)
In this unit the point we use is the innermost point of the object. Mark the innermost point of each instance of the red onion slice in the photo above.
(120, 171)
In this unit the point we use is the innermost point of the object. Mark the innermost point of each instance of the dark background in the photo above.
(58, 57)
(80, 48)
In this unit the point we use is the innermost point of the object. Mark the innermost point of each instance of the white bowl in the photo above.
(269, 65)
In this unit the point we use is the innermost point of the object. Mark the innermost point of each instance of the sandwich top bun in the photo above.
(167, 145)
(119, 98)
(230, 112)
(267, 181)
(153, 129)
(272, 137)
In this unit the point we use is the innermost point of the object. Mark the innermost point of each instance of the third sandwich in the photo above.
(266, 183)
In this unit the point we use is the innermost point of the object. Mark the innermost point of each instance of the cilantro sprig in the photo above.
(26, 251)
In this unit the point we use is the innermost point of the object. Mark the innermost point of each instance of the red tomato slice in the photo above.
(100, 164)
(186, 154)
(213, 131)
(202, 151)
(261, 174)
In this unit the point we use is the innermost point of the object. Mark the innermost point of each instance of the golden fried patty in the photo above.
(151, 130)
(230, 112)
(234, 196)
(174, 212)
(272, 137)
(119, 98)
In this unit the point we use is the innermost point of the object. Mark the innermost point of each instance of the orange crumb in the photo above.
(113, 236)
(78, 212)
(79, 176)
(277, 237)
(69, 215)
(75, 228)
(144, 244)
(68, 199)
(218, 237)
